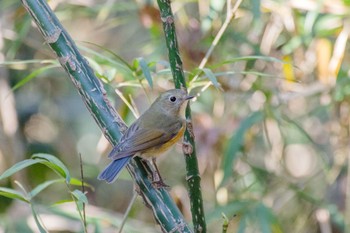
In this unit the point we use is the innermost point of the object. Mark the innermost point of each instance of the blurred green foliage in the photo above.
(272, 135)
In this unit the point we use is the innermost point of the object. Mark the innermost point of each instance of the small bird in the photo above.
(153, 133)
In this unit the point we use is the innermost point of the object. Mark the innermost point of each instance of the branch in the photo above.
(193, 178)
(94, 96)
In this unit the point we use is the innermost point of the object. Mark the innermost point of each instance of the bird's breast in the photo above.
(158, 150)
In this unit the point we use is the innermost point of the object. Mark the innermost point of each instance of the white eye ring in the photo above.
(172, 99)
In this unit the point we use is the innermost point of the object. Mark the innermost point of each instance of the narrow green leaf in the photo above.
(32, 75)
(145, 70)
(39, 225)
(132, 83)
(43, 186)
(32, 61)
(13, 194)
(256, 73)
(120, 64)
(302, 135)
(54, 163)
(249, 58)
(230, 209)
(74, 181)
(81, 199)
(211, 76)
(60, 202)
(236, 142)
(164, 72)
(263, 217)
(119, 58)
(242, 224)
(80, 196)
(17, 167)
(266, 219)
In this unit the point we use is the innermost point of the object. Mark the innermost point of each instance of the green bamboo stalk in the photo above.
(193, 178)
(94, 96)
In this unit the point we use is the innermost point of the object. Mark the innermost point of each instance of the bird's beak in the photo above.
(189, 97)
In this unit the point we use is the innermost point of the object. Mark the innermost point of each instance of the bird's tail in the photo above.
(110, 173)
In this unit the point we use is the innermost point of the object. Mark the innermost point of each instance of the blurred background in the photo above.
(272, 137)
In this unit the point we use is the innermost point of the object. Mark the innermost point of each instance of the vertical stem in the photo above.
(347, 195)
(189, 149)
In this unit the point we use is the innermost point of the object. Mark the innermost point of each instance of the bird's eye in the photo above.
(172, 98)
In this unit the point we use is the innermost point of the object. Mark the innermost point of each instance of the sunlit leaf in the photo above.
(54, 163)
(119, 58)
(288, 71)
(80, 196)
(211, 76)
(43, 186)
(60, 202)
(120, 64)
(164, 72)
(32, 61)
(13, 194)
(17, 167)
(145, 70)
(32, 75)
(74, 181)
(81, 199)
(248, 58)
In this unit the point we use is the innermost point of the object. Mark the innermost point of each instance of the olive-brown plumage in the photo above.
(153, 133)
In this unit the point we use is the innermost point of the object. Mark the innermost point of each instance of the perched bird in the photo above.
(153, 133)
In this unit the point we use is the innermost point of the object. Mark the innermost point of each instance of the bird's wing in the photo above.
(123, 140)
(144, 139)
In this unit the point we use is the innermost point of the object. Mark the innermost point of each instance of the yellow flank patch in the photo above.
(156, 151)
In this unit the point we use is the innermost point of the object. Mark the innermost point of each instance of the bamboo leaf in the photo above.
(266, 219)
(248, 58)
(13, 194)
(120, 64)
(80, 196)
(35, 215)
(145, 70)
(236, 142)
(17, 167)
(60, 202)
(32, 75)
(81, 199)
(211, 76)
(43, 186)
(242, 224)
(54, 163)
(119, 58)
(76, 182)
(32, 61)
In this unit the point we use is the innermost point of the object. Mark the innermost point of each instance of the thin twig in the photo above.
(126, 214)
(229, 16)
(83, 190)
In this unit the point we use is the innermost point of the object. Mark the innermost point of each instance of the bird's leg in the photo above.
(152, 168)
(147, 165)
(157, 180)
